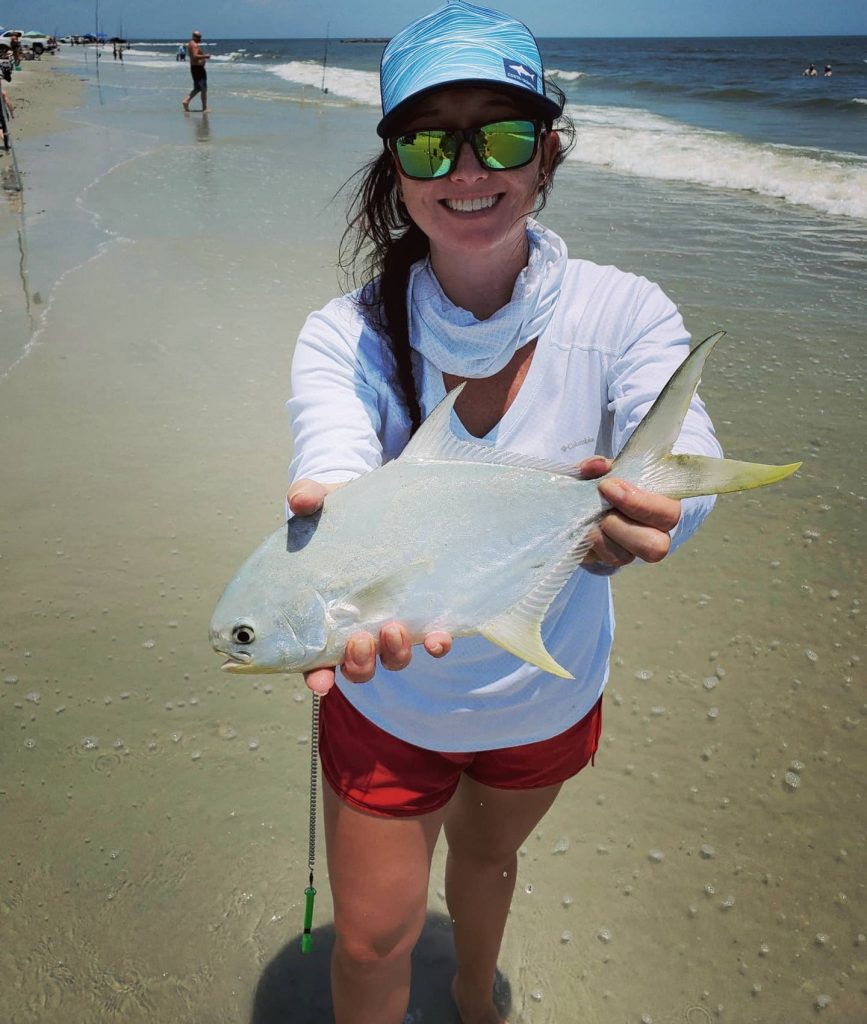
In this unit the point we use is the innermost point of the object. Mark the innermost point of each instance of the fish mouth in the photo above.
(235, 661)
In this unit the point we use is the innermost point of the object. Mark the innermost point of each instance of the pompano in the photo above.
(451, 535)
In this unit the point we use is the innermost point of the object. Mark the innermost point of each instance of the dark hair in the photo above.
(381, 243)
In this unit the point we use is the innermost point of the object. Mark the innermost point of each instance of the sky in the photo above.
(251, 19)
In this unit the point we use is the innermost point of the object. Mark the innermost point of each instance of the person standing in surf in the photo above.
(457, 282)
(198, 59)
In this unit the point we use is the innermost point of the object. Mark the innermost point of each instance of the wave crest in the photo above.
(645, 144)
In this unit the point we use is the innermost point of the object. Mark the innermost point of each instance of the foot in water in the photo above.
(186, 105)
(475, 1015)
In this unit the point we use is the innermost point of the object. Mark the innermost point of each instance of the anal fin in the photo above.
(519, 634)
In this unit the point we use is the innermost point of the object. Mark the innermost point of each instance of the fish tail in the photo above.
(646, 459)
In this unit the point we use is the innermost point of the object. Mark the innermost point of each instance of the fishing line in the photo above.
(310, 892)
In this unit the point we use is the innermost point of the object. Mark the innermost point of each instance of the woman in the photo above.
(561, 359)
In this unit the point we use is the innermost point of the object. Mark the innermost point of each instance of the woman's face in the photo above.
(443, 208)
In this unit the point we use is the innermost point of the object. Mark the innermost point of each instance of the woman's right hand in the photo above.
(359, 657)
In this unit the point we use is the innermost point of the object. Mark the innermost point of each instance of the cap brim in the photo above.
(546, 107)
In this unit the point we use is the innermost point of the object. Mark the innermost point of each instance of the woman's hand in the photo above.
(359, 656)
(638, 524)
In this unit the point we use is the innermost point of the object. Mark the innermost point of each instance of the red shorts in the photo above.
(383, 775)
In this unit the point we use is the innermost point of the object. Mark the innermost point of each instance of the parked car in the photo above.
(35, 40)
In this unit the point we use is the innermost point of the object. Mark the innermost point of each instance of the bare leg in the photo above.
(186, 103)
(484, 828)
(204, 101)
(378, 871)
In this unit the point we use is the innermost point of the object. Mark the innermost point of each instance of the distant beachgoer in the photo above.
(828, 72)
(114, 50)
(810, 72)
(198, 57)
(182, 53)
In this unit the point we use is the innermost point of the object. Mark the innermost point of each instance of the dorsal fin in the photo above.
(434, 441)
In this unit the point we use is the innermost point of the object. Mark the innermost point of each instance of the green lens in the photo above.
(425, 154)
(506, 144)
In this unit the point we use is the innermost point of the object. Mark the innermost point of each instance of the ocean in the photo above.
(725, 113)
(711, 865)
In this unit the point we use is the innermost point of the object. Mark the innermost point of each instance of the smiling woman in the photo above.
(457, 284)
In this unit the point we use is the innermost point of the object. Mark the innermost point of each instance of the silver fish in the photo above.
(451, 536)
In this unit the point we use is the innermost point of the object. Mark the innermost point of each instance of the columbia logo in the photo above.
(521, 73)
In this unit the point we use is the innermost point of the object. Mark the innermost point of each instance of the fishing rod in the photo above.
(6, 132)
(325, 56)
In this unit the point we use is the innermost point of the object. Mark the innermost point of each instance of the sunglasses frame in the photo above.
(471, 136)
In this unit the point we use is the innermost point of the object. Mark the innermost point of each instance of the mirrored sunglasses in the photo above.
(429, 153)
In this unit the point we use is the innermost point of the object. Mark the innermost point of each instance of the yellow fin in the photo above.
(516, 633)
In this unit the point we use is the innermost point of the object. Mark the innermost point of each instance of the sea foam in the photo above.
(361, 86)
(645, 144)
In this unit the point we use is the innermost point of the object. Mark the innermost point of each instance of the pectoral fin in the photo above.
(379, 599)
(519, 633)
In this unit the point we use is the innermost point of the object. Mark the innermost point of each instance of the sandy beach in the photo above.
(710, 868)
(38, 96)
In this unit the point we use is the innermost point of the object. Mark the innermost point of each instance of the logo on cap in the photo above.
(521, 74)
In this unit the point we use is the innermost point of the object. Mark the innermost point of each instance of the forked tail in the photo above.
(646, 459)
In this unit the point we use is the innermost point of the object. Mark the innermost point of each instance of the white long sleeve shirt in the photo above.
(613, 342)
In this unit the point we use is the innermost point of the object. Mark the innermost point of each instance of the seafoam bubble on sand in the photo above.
(792, 781)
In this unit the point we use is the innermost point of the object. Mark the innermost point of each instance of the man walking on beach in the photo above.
(197, 69)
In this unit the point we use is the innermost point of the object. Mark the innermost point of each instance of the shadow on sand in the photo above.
(295, 987)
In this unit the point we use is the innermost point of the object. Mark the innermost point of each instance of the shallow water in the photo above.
(710, 867)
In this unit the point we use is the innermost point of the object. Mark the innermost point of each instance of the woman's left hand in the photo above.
(637, 525)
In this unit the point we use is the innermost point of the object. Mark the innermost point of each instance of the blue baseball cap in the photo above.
(462, 44)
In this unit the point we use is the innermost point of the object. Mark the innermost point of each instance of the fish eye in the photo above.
(243, 634)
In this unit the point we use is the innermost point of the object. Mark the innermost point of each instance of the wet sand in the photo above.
(709, 868)
(39, 96)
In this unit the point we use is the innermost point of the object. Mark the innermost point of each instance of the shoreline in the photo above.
(41, 93)
(40, 96)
